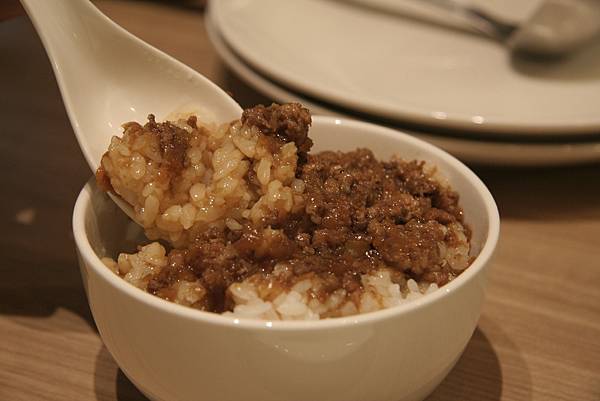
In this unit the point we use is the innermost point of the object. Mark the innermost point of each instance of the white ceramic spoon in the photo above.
(107, 76)
(555, 28)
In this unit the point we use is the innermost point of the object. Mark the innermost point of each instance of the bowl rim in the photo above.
(481, 260)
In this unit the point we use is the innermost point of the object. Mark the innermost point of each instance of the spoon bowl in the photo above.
(107, 76)
(557, 28)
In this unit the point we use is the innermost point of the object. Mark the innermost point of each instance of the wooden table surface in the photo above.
(539, 334)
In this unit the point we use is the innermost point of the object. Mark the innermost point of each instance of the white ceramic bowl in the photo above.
(171, 352)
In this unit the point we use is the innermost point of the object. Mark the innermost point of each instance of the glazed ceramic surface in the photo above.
(409, 68)
(107, 76)
(176, 353)
(474, 151)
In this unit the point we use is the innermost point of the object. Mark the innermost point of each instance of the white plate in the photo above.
(410, 70)
(482, 152)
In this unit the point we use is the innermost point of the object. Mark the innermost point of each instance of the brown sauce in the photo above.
(361, 214)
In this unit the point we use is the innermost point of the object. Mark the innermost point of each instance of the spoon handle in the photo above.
(78, 39)
(65, 27)
(477, 19)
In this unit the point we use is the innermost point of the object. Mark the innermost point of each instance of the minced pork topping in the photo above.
(249, 222)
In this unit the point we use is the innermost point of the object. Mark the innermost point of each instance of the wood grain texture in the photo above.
(539, 335)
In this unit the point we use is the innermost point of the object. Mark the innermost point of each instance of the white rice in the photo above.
(301, 302)
(263, 297)
(214, 188)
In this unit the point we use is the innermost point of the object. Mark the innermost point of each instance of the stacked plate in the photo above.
(421, 73)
